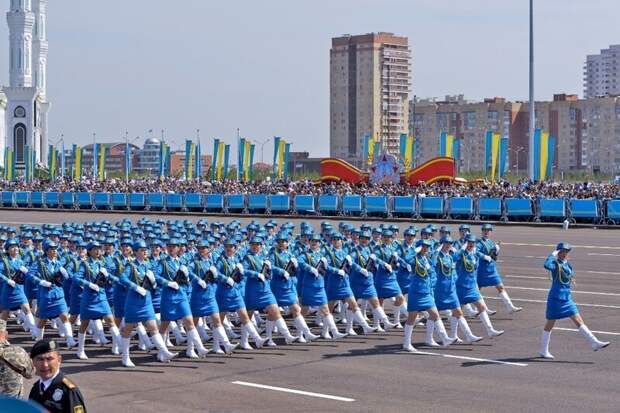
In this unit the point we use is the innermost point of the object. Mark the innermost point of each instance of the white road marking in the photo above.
(303, 393)
(523, 244)
(603, 255)
(577, 292)
(603, 272)
(526, 277)
(451, 356)
(616, 307)
(532, 256)
(597, 332)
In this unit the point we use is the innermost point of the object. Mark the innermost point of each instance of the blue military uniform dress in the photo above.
(284, 289)
(488, 276)
(94, 304)
(420, 296)
(174, 303)
(362, 286)
(119, 294)
(72, 265)
(258, 293)
(229, 298)
(31, 288)
(50, 300)
(385, 281)
(338, 287)
(560, 302)
(467, 273)
(138, 308)
(403, 277)
(202, 300)
(445, 289)
(14, 297)
(313, 291)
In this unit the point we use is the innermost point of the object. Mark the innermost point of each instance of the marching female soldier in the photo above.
(337, 263)
(140, 281)
(47, 272)
(467, 261)
(119, 263)
(313, 293)
(93, 276)
(202, 300)
(488, 276)
(174, 277)
(421, 298)
(12, 274)
(260, 276)
(362, 279)
(560, 302)
(230, 292)
(445, 294)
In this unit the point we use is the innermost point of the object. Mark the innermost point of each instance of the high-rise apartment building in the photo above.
(370, 81)
(601, 75)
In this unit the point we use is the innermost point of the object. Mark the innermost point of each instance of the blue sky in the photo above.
(263, 66)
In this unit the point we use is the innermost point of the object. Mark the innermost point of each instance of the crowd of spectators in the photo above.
(478, 189)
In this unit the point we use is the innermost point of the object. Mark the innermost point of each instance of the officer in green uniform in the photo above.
(54, 391)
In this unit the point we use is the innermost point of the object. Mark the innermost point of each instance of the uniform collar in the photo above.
(46, 383)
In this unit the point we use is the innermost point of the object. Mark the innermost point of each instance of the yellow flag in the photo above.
(281, 158)
(544, 155)
(494, 154)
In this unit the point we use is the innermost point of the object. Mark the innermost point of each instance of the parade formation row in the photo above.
(157, 279)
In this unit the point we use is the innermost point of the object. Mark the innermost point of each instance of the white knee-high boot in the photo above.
(283, 329)
(508, 303)
(454, 329)
(194, 338)
(163, 355)
(253, 333)
(469, 336)
(486, 322)
(443, 335)
(269, 327)
(125, 345)
(544, 345)
(594, 342)
(80, 348)
(68, 330)
(303, 329)
(145, 341)
(220, 334)
(116, 339)
(407, 339)
(430, 329)
(330, 323)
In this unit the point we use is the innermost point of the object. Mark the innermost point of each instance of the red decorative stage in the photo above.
(435, 170)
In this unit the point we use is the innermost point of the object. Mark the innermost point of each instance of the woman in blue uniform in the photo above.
(362, 280)
(560, 302)
(120, 262)
(338, 287)
(421, 298)
(313, 293)
(175, 278)
(231, 291)
(12, 275)
(488, 276)
(93, 276)
(467, 260)
(47, 272)
(261, 275)
(403, 276)
(446, 297)
(202, 300)
(140, 281)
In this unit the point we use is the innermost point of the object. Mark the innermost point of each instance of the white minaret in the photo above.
(27, 106)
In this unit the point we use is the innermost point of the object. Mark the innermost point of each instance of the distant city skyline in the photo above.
(264, 67)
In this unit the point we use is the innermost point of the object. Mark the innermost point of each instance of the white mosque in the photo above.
(23, 104)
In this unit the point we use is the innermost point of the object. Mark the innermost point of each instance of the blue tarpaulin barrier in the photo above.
(328, 204)
(279, 203)
(155, 201)
(36, 199)
(304, 204)
(137, 201)
(83, 199)
(431, 205)
(52, 199)
(551, 208)
(403, 205)
(214, 202)
(461, 206)
(257, 202)
(519, 207)
(236, 202)
(67, 199)
(490, 207)
(351, 204)
(102, 200)
(376, 204)
(118, 200)
(22, 199)
(584, 208)
(174, 201)
(7, 199)
(193, 201)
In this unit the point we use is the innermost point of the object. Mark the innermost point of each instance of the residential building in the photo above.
(370, 82)
(601, 73)
(147, 159)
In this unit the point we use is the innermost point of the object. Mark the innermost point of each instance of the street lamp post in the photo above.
(532, 109)
(262, 145)
(516, 152)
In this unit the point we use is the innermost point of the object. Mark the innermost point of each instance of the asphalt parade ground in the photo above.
(371, 373)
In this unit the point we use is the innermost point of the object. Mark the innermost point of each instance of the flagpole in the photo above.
(126, 157)
(532, 125)
(238, 151)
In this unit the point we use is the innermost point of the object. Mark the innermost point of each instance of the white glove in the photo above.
(408, 267)
(427, 266)
(364, 272)
(45, 284)
(453, 250)
(314, 271)
(349, 260)
(324, 261)
(294, 261)
(230, 282)
(93, 287)
(11, 283)
(23, 269)
(173, 285)
(141, 291)
(64, 272)
(103, 271)
(373, 257)
(395, 254)
(555, 253)
(202, 284)
(417, 250)
(183, 269)
(267, 263)
(341, 273)
(286, 275)
(497, 248)
(213, 270)
(261, 276)
(240, 268)
(151, 277)
(388, 267)
(487, 258)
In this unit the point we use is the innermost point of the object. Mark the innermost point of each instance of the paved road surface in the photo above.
(370, 373)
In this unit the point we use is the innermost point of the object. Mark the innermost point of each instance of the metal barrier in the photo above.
(460, 207)
(304, 204)
(328, 204)
(214, 202)
(192, 202)
(22, 199)
(36, 199)
(404, 206)
(83, 200)
(235, 203)
(257, 203)
(67, 199)
(351, 205)
(137, 201)
(118, 201)
(519, 208)
(51, 200)
(489, 208)
(155, 201)
(613, 211)
(586, 209)
(101, 201)
(174, 202)
(7, 199)
(377, 205)
(551, 208)
(431, 206)
(279, 203)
